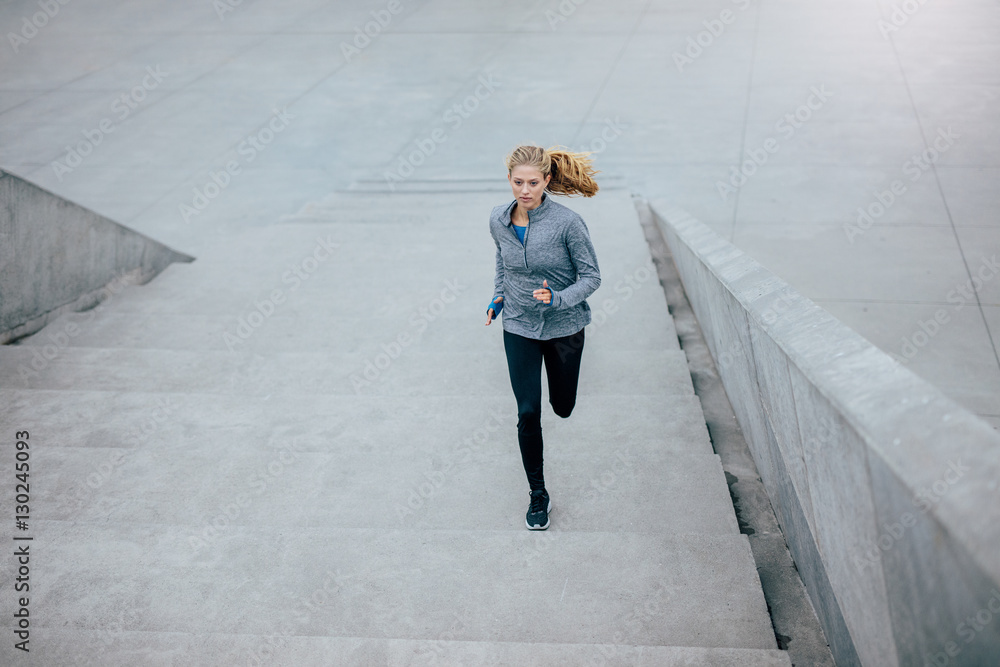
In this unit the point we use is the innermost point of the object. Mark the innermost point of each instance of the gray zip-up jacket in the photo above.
(556, 248)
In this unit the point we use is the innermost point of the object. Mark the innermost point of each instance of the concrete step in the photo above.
(129, 648)
(503, 586)
(367, 420)
(383, 368)
(630, 488)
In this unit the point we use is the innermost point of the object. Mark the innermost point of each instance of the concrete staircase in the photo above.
(290, 453)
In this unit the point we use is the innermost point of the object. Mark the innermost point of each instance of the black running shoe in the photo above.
(538, 511)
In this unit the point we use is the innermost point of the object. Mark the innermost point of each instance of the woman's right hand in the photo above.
(490, 314)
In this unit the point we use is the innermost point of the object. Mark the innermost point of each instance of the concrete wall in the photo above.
(886, 490)
(56, 255)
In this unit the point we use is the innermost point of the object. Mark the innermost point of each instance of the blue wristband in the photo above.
(497, 307)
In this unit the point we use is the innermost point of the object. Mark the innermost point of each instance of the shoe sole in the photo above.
(547, 520)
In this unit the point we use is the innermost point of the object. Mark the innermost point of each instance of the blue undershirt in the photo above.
(520, 231)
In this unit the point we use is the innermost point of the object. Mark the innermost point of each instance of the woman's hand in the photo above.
(490, 314)
(545, 294)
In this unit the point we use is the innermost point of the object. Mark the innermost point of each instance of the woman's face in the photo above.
(527, 184)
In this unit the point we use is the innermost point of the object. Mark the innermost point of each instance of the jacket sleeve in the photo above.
(588, 274)
(499, 275)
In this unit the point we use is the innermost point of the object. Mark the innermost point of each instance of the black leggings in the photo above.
(562, 367)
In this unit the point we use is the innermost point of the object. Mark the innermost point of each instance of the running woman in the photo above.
(545, 270)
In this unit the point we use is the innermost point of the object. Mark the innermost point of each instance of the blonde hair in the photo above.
(572, 173)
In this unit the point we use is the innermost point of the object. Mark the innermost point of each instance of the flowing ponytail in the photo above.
(572, 173)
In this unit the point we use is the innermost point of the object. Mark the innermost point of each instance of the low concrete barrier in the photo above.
(886, 490)
(56, 255)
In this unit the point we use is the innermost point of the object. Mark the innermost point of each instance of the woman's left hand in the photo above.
(545, 294)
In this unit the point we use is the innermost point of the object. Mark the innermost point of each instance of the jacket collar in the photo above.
(532, 214)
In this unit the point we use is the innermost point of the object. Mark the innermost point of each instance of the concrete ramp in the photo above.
(56, 256)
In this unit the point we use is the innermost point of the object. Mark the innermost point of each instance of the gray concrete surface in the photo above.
(184, 86)
(305, 491)
(58, 256)
(886, 490)
(670, 128)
